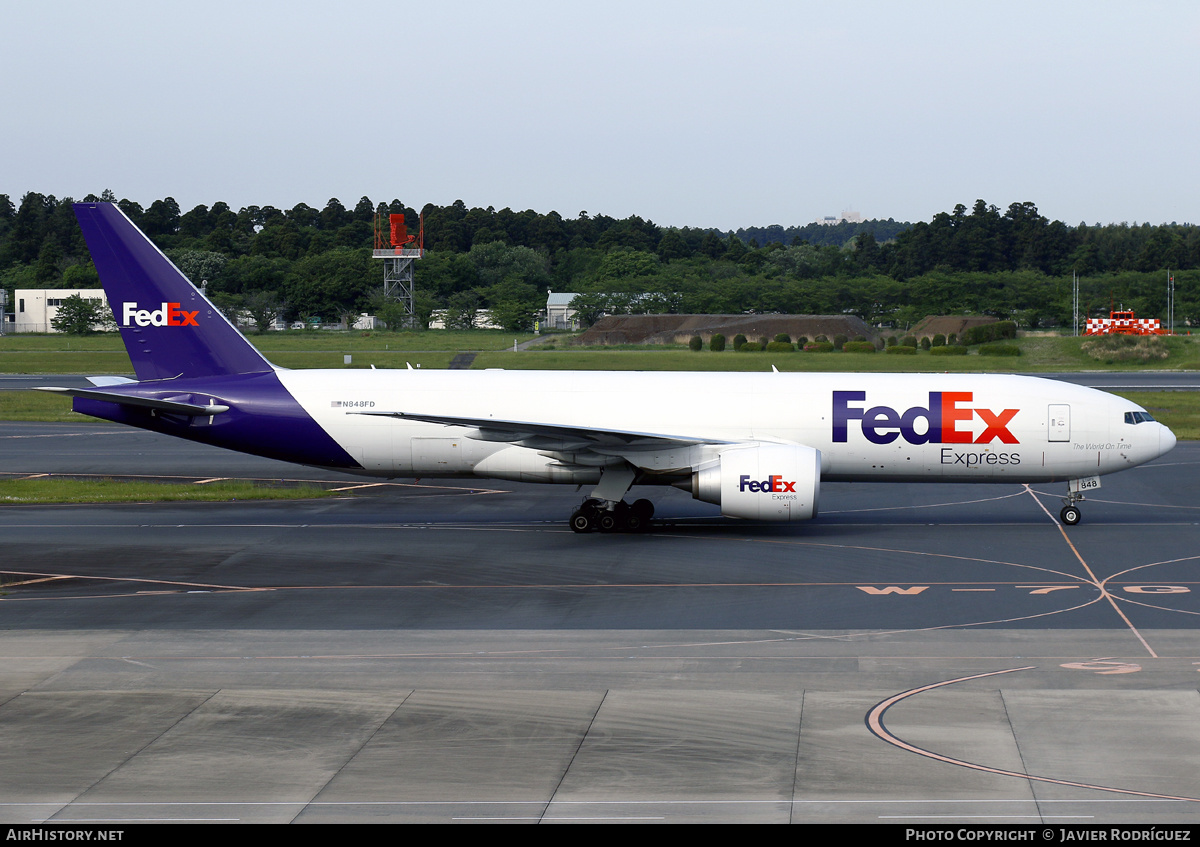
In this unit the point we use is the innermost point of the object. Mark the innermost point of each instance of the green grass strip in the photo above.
(38, 406)
(54, 490)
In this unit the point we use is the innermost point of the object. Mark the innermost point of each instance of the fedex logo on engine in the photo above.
(946, 420)
(774, 484)
(168, 315)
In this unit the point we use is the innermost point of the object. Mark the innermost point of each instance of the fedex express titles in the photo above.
(941, 419)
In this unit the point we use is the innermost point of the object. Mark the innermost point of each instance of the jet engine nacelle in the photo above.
(763, 482)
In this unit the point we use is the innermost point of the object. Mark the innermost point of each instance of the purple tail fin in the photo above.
(169, 328)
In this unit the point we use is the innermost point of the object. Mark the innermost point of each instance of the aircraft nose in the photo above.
(1166, 440)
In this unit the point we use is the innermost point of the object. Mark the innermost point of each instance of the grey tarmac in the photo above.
(450, 651)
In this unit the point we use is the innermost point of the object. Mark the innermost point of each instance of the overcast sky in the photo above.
(686, 113)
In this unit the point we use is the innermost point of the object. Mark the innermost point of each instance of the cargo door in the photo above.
(437, 455)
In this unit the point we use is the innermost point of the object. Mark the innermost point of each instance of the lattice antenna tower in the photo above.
(399, 250)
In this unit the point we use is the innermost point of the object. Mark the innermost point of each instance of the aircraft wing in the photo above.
(558, 437)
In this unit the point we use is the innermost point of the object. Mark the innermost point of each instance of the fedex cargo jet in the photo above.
(757, 445)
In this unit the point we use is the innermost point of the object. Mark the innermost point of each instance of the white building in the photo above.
(559, 314)
(483, 319)
(34, 309)
(847, 216)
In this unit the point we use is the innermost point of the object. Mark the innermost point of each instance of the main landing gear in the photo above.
(605, 516)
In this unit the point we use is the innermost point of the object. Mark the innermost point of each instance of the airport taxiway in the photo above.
(448, 651)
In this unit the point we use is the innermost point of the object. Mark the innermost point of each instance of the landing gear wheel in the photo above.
(593, 515)
(633, 522)
(1070, 515)
(582, 521)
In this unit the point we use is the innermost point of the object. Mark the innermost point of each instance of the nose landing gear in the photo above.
(1070, 513)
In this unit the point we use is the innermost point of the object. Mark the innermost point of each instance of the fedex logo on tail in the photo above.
(946, 420)
(169, 314)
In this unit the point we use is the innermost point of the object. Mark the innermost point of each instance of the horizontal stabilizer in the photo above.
(173, 407)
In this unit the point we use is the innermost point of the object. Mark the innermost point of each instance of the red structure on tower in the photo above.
(399, 250)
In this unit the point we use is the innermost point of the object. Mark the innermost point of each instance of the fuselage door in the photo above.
(1058, 427)
(437, 455)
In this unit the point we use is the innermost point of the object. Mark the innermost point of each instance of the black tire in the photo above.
(582, 521)
(606, 522)
(643, 509)
(1070, 515)
(633, 522)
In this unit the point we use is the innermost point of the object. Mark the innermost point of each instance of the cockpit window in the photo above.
(1138, 417)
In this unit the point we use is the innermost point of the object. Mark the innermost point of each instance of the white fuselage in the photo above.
(883, 427)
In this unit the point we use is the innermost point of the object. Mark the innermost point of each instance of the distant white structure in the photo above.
(36, 308)
(559, 314)
(847, 216)
(483, 319)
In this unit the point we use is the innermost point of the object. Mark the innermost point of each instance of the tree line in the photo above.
(307, 263)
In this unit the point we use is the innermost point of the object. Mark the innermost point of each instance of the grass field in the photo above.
(1039, 354)
(105, 354)
(53, 490)
(37, 406)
